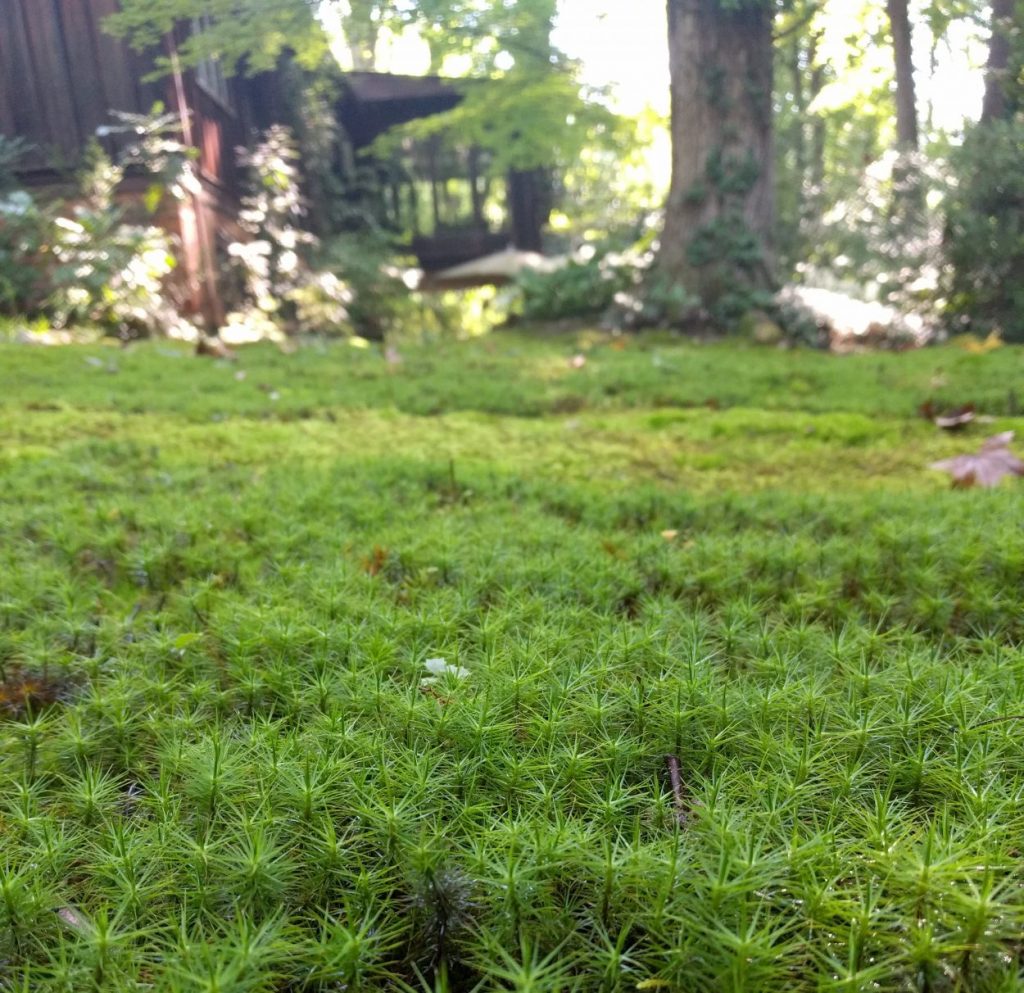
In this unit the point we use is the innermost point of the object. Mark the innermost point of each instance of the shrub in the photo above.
(583, 287)
(108, 271)
(86, 262)
(577, 289)
(381, 300)
(23, 238)
(985, 230)
(283, 292)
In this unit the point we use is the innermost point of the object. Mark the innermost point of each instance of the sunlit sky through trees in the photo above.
(622, 43)
(621, 46)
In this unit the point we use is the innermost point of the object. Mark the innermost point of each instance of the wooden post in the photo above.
(196, 234)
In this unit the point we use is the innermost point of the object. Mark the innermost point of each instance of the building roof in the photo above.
(385, 87)
(377, 101)
(497, 269)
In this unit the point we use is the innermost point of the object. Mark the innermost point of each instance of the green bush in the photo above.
(86, 262)
(380, 300)
(23, 229)
(107, 271)
(23, 236)
(577, 289)
(283, 292)
(985, 230)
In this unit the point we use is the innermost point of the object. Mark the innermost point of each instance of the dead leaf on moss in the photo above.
(956, 420)
(376, 560)
(22, 693)
(977, 346)
(987, 467)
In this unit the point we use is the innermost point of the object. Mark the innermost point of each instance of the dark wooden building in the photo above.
(62, 77)
(435, 189)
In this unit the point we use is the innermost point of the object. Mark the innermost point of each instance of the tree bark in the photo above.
(1005, 17)
(720, 214)
(819, 133)
(908, 136)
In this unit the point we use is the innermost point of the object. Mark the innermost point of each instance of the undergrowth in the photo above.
(225, 765)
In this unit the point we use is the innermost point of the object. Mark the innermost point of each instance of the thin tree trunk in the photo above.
(907, 132)
(720, 214)
(819, 134)
(476, 196)
(1004, 17)
(798, 75)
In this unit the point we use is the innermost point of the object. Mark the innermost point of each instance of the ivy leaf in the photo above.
(987, 467)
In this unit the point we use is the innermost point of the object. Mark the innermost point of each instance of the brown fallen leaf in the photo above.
(434, 695)
(22, 693)
(376, 561)
(977, 346)
(987, 467)
(956, 420)
(670, 535)
(214, 348)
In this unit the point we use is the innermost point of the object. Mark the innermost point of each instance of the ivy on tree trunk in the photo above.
(717, 242)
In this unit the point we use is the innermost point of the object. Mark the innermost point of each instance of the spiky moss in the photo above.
(240, 782)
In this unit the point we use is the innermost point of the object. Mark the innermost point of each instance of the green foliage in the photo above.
(12, 151)
(89, 261)
(107, 271)
(282, 291)
(577, 289)
(536, 117)
(381, 302)
(250, 36)
(607, 192)
(524, 120)
(24, 230)
(242, 782)
(985, 235)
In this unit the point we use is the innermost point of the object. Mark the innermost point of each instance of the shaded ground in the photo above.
(221, 767)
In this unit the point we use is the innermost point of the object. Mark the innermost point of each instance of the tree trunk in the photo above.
(1004, 19)
(720, 215)
(819, 132)
(529, 203)
(907, 133)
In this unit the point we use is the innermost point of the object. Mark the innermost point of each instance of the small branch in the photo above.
(798, 26)
(675, 776)
(997, 720)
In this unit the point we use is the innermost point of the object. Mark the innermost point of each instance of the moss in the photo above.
(249, 783)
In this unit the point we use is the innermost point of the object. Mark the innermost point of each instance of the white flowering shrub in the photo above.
(108, 271)
(283, 290)
(85, 262)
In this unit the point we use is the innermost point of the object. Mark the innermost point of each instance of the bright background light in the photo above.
(621, 47)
